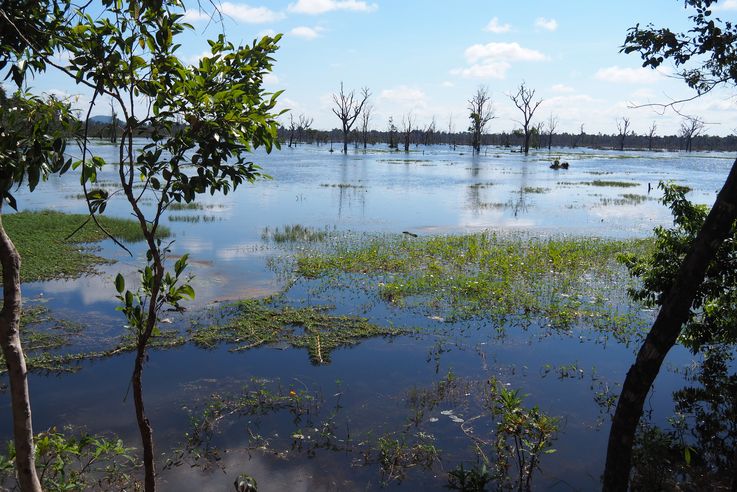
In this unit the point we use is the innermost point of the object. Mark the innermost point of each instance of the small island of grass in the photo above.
(46, 253)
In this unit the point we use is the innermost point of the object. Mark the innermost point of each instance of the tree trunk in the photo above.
(527, 142)
(16, 364)
(345, 140)
(144, 426)
(674, 312)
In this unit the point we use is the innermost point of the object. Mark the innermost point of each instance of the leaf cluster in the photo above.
(713, 317)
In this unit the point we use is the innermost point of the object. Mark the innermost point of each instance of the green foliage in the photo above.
(713, 317)
(523, 435)
(82, 462)
(32, 141)
(42, 239)
(474, 479)
(706, 54)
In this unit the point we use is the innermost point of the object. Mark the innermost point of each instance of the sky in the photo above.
(428, 57)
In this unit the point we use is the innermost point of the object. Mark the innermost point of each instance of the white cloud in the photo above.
(305, 32)
(501, 52)
(547, 24)
(486, 70)
(495, 27)
(727, 5)
(323, 6)
(195, 15)
(404, 95)
(493, 60)
(624, 75)
(252, 15)
(447, 83)
(271, 79)
(266, 32)
(562, 89)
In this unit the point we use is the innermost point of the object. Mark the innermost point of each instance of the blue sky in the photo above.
(428, 57)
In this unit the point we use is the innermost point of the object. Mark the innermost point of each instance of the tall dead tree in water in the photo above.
(366, 123)
(651, 136)
(408, 123)
(304, 123)
(347, 108)
(691, 127)
(524, 102)
(481, 113)
(623, 126)
(551, 126)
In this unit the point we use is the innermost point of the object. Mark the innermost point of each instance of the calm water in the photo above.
(430, 191)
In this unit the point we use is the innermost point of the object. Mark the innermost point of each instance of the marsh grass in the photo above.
(625, 199)
(255, 322)
(175, 207)
(343, 186)
(560, 281)
(194, 219)
(41, 240)
(293, 234)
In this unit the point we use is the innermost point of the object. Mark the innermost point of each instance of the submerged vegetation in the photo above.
(294, 233)
(559, 280)
(254, 323)
(49, 242)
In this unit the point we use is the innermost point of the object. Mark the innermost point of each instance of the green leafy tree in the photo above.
(129, 56)
(33, 134)
(706, 57)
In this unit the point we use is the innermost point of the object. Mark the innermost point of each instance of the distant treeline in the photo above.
(395, 139)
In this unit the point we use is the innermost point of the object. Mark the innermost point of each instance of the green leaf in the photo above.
(119, 283)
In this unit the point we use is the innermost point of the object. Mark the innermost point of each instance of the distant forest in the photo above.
(396, 138)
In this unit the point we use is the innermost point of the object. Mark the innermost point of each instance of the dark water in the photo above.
(428, 191)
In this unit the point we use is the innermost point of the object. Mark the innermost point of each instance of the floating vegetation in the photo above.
(481, 186)
(294, 233)
(625, 199)
(614, 184)
(560, 281)
(175, 206)
(599, 182)
(494, 205)
(254, 323)
(41, 239)
(534, 189)
(404, 161)
(343, 186)
(195, 219)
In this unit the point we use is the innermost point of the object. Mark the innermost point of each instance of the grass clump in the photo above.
(293, 234)
(613, 184)
(41, 240)
(256, 323)
(535, 189)
(561, 279)
(343, 186)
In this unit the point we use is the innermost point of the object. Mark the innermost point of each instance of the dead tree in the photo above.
(481, 113)
(451, 135)
(366, 122)
(524, 102)
(623, 126)
(651, 136)
(691, 127)
(292, 129)
(407, 127)
(552, 125)
(347, 108)
(428, 135)
(303, 125)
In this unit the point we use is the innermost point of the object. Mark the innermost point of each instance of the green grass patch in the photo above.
(257, 323)
(562, 280)
(40, 238)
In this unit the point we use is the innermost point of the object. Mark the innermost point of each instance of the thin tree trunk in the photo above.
(16, 364)
(144, 426)
(674, 312)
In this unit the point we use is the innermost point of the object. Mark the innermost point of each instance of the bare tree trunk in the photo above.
(16, 364)
(674, 312)
(144, 426)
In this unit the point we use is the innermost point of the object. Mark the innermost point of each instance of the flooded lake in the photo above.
(325, 437)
